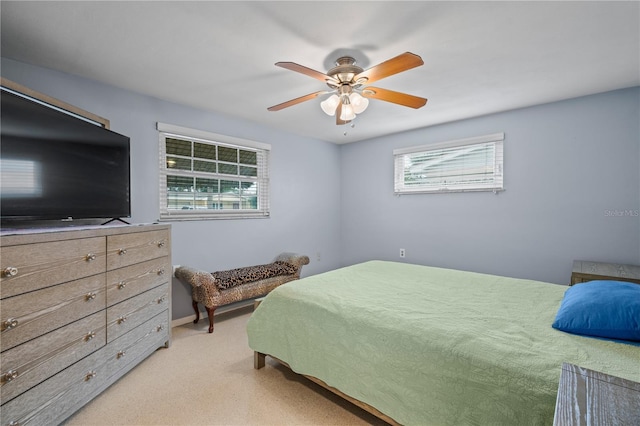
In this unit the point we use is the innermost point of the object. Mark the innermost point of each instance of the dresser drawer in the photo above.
(128, 249)
(127, 282)
(27, 316)
(127, 315)
(139, 342)
(610, 269)
(27, 365)
(31, 267)
(56, 398)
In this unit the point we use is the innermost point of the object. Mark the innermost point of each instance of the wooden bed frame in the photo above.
(259, 362)
(259, 359)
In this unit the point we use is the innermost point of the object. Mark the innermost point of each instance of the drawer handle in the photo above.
(162, 299)
(160, 328)
(121, 285)
(9, 376)
(89, 257)
(90, 335)
(160, 244)
(120, 354)
(122, 251)
(10, 271)
(90, 375)
(121, 320)
(90, 296)
(161, 271)
(10, 323)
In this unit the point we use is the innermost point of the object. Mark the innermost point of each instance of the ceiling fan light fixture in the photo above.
(358, 102)
(347, 113)
(346, 79)
(330, 104)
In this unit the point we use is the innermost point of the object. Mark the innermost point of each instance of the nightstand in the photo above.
(584, 270)
(587, 397)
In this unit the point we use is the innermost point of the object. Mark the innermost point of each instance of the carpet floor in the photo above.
(209, 379)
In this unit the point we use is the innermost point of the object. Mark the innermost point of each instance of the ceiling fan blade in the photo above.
(400, 63)
(292, 66)
(297, 100)
(394, 97)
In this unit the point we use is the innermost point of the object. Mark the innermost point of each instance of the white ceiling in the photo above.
(480, 57)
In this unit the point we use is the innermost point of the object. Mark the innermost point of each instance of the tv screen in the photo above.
(57, 166)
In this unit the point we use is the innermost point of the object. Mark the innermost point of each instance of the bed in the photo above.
(419, 345)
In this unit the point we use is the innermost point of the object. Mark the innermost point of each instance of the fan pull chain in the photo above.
(353, 125)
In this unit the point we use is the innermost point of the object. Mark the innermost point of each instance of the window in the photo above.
(473, 164)
(206, 176)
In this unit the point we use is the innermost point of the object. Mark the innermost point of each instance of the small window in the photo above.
(473, 164)
(207, 176)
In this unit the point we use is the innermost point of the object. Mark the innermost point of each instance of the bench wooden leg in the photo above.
(258, 360)
(210, 313)
(195, 308)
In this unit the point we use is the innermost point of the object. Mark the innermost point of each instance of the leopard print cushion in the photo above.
(234, 277)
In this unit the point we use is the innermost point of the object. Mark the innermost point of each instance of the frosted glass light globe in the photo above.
(330, 104)
(347, 113)
(358, 102)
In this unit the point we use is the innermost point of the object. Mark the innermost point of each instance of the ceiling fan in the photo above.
(346, 81)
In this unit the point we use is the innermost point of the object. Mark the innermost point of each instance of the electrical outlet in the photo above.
(402, 252)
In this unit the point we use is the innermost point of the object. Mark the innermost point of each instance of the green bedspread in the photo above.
(432, 346)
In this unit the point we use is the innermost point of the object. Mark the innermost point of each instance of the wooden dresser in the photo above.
(78, 309)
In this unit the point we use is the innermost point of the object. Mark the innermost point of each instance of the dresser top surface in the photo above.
(33, 235)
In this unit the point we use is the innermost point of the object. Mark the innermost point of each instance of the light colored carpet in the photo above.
(209, 379)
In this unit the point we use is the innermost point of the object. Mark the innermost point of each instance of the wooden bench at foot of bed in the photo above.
(250, 282)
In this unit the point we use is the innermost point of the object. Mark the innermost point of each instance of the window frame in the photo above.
(401, 188)
(262, 150)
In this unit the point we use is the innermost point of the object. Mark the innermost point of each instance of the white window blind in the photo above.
(472, 164)
(209, 176)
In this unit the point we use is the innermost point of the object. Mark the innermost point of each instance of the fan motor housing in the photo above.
(344, 71)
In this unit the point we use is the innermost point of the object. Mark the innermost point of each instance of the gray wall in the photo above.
(305, 176)
(338, 202)
(569, 166)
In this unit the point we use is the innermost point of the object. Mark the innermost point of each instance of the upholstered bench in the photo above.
(215, 289)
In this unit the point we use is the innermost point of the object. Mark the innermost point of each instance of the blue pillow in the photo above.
(609, 309)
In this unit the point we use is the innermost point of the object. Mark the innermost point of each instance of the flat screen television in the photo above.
(55, 166)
